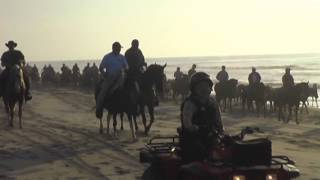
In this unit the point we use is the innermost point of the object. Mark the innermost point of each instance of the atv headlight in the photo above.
(239, 177)
(271, 177)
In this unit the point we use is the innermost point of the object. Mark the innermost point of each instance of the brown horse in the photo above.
(226, 90)
(291, 97)
(14, 92)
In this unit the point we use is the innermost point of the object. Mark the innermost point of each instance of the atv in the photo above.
(232, 159)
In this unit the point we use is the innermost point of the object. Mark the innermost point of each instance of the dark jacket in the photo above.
(12, 57)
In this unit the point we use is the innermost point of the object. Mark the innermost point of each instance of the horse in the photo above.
(180, 86)
(123, 100)
(150, 84)
(14, 92)
(256, 93)
(66, 76)
(291, 97)
(226, 90)
(76, 78)
(313, 93)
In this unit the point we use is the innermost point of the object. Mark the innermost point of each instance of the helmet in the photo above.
(199, 77)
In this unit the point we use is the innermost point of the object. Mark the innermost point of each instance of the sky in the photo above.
(86, 29)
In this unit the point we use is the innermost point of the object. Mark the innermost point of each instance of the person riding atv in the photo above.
(200, 119)
(203, 151)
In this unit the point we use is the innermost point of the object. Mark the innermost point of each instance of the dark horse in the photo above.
(123, 100)
(291, 97)
(151, 84)
(127, 99)
(13, 93)
(226, 90)
(180, 87)
(254, 93)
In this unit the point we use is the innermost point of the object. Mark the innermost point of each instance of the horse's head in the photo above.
(303, 89)
(155, 73)
(15, 79)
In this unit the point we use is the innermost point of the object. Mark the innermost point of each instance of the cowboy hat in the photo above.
(11, 44)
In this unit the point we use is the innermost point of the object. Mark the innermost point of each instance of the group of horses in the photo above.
(128, 100)
(67, 77)
(256, 97)
(132, 100)
(261, 97)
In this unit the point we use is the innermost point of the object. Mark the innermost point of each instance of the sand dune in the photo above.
(60, 140)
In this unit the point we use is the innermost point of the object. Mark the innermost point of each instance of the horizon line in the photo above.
(196, 56)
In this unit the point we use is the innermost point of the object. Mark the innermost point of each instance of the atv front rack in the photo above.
(162, 144)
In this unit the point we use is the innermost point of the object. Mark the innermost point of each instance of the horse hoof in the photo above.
(121, 128)
(101, 131)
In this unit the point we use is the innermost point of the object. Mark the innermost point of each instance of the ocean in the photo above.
(304, 67)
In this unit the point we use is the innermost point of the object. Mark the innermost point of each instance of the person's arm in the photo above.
(22, 59)
(217, 76)
(125, 64)
(141, 57)
(187, 114)
(218, 123)
(102, 65)
(227, 76)
(3, 60)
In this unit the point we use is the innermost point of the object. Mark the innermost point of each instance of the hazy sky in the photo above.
(83, 29)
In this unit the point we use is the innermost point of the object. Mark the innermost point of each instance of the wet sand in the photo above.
(60, 139)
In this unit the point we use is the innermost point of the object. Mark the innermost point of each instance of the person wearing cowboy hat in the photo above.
(287, 79)
(14, 57)
(112, 68)
(200, 119)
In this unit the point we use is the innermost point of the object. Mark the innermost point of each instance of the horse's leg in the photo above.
(316, 99)
(20, 114)
(290, 113)
(296, 113)
(264, 109)
(133, 134)
(108, 121)
(243, 104)
(224, 104)
(143, 115)
(151, 112)
(279, 114)
(305, 105)
(258, 106)
(121, 118)
(230, 101)
(114, 124)
(134, 117)
(101, 126)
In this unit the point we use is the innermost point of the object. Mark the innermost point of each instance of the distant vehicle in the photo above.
(233, 159)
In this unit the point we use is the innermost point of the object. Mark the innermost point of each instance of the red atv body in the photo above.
(164, 156)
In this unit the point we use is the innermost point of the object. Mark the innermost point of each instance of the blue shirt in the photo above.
(113, 63)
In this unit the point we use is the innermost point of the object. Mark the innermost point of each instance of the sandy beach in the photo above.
(60, 139)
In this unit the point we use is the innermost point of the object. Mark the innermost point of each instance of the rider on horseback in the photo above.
(135, 59)
(254, 77)
(178, 74)
(200, 118)
(136, 62)
(287, 79)
(9, 59)
(112, 67)
(222, 76)
(192, 71)
(75, 69)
